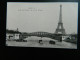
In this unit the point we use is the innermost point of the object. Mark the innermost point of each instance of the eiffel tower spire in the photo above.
(60, 29)
(60, 16)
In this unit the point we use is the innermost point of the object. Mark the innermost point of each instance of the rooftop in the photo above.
(12, 31)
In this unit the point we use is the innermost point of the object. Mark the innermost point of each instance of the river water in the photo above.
(33, 42)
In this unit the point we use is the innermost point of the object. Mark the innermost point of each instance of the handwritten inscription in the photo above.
(30, 9)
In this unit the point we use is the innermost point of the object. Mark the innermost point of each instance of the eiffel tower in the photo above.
(60, 29)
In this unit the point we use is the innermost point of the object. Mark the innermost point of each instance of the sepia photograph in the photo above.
(42, 24)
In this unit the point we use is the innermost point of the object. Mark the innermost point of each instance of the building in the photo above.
(64, 37)
(12, 35)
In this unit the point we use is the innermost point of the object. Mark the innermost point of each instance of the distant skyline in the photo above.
(32, 17)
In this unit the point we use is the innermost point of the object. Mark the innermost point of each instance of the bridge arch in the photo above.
(45, 34)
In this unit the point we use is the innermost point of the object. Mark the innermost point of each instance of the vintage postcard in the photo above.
(42, 24)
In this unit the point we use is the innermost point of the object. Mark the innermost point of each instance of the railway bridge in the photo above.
(45, 34)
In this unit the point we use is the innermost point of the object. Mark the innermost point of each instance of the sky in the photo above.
(33, 17)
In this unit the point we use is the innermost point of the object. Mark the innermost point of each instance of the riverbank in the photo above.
(34, 42)
(71, 41)
(62, 44)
